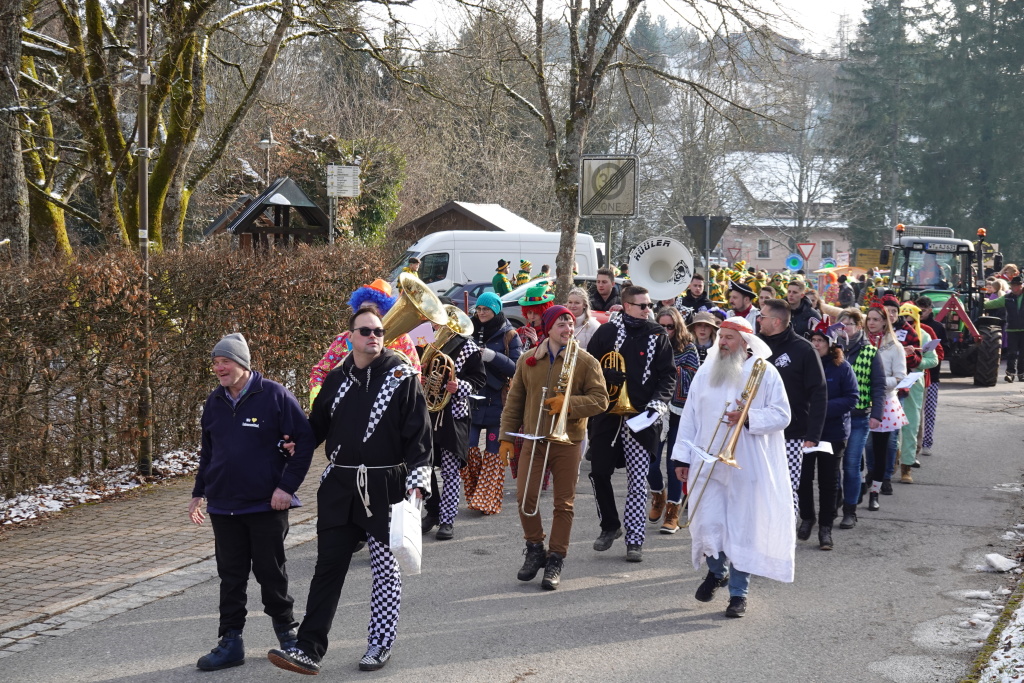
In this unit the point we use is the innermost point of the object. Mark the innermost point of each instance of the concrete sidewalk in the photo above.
(94, 550)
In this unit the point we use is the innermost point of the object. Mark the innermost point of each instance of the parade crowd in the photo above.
(749, 409)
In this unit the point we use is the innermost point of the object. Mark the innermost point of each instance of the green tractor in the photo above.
(931, 261)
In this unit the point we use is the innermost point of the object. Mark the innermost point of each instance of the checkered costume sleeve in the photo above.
(419, 477)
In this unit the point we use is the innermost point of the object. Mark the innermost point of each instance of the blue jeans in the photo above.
(739, 582)
(654, 477)
(852, 458)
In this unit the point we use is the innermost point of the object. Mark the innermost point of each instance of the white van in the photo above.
(460, 256)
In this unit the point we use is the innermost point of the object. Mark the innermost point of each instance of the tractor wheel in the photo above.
(986, 367)
(961, 361)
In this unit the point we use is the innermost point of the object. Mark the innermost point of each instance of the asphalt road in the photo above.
(883, 606)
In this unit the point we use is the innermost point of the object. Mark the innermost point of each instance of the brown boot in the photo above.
(671, 524)
(658, 499)
(905, 474)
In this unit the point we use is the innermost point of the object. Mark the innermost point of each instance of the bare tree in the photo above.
(14, 212)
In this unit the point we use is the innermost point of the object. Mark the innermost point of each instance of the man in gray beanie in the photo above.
(249, 481)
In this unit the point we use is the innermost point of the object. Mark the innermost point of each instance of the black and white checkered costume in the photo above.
(378, 437)
(651, 379)
(451, 427)
(795, 460)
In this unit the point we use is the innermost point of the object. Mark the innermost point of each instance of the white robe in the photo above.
(748, 512)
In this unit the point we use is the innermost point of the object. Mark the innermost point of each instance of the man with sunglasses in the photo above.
(373, 416)
(650, 379)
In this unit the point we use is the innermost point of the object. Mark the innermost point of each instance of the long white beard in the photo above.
(728, 368)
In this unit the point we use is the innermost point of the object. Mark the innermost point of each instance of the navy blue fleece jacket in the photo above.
(240, 464)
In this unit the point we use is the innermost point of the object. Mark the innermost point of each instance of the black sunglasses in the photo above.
(367, 331)
(642, 307)
(669, 327)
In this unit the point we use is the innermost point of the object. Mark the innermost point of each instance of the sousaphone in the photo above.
(416, 304)
(661, 265)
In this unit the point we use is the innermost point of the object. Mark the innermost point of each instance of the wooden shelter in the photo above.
(266, 220)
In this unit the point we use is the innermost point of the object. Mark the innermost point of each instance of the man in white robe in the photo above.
(745, 516)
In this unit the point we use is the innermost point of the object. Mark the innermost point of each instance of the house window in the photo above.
(763, 249)
(827, 249)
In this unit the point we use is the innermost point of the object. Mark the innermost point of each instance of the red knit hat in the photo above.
(890, 300)
(551, 316)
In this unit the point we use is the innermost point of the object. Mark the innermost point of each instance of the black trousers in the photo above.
(828, 467)
(334, 549)
(1014, 353)
(252, 542)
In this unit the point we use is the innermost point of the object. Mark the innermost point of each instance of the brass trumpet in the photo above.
(728, 453)
(618, 394)
(557, 431)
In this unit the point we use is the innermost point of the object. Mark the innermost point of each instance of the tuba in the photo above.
(661, 265)
(438, 367)
(416, 304)
(618, 394)
(728, 453)
(557, 433)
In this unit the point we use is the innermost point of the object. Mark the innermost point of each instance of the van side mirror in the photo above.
(883, 257)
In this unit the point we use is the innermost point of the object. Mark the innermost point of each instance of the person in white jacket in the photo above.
(743, 523)
(578, 303)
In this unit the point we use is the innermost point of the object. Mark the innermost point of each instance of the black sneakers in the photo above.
(229, 652)
(737, 607)
(428, 522)
(706, 590)
(445, 532)
(294, 659)
(634, 552)
(605, 540)
(375, 658)
(536, 557)
(552, 572)
(886, 487)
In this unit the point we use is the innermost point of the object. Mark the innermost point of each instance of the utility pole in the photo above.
(142, 153)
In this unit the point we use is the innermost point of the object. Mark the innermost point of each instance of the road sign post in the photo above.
(342, 181)
(608, 186)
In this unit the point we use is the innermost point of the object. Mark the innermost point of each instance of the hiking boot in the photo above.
(706, 590)
(634, 552)
(536, 557)
(886, 487)
(737, 607)
(287, 635)
(375, 658)
(658, 499)
(849, 517)
(905, 477)
(604, 541)
(230, 651)
(429, 522)
(552, 572)
(671, 524)
(294, 659)
(825, 537)
(445, 532)
(803, 532)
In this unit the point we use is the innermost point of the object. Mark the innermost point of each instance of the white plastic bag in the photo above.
(406, 540)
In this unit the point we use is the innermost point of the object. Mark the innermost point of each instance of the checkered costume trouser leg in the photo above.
(385, 596)
(795, 458)
(931, 406)
(634, 515)
(450, 486)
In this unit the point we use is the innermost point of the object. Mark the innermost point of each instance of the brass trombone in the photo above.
(618, 394)
(557, 430)
(728, 453)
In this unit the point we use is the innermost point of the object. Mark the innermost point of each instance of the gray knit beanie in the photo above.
(233, 346)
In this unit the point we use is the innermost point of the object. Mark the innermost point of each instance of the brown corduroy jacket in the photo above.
(588, 395)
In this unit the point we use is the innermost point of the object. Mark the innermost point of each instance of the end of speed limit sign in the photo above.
(608, 185)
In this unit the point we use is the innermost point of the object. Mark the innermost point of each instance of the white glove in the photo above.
(488, 354)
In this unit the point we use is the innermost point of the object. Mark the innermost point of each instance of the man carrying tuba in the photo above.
(639, 369)
(571, 381)
(744, 516)
(458, 379)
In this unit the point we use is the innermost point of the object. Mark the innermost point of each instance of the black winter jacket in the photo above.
(800, 368)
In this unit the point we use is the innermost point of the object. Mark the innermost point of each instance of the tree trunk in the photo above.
(14, 207)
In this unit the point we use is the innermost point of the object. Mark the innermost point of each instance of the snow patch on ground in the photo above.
(917, 669)
(90, 487)
(1006, 665)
